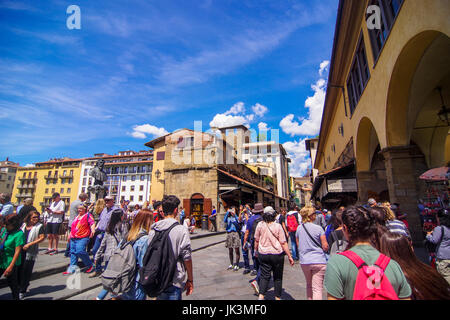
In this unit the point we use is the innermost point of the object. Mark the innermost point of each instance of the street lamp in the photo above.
(445, 112)
(157, 174)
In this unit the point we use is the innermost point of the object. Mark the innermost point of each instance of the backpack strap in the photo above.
(383, 261)
(359, 263)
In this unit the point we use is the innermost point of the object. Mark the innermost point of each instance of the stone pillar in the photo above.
(365, 180)
(404, 185)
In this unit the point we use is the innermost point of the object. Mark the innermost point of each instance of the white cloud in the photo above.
(262, 126)
(324, 66)
(308, 126)
(236, 115)
(236, 109)
(301, 160)
(260, 110)
(141, 132)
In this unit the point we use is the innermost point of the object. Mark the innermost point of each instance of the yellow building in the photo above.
(384, 109)
(43, 179)
(159, 155)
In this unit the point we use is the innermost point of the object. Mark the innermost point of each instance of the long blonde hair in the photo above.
(390, 215)
(99, 206)
(142, 221)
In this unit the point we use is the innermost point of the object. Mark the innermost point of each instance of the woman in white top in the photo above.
(34, 234)
(55, 219)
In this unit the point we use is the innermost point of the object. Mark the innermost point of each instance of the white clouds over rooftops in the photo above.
(236, 115)
(141, 132)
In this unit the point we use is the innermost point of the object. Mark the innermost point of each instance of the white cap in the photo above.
(269, 210)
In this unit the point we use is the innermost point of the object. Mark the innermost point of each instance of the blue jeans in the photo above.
(256, 266)
(78, 250)
(172, 293)
(245, 254)
(98, 242)
(294, 249)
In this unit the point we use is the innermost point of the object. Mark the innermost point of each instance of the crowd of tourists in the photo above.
(137, 252)
(355, 252)
(351, 253)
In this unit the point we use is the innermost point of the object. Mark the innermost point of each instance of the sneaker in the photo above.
(48, 251)
(91, 269)
(236, 268)
(66, 273)
(53, 252)
(230, 267)
(254, 273)
(21, 296)
(246, 271)
(95, 274)
(255, 286)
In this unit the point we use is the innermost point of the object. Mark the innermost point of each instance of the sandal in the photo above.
(48, 251)
(53, 252)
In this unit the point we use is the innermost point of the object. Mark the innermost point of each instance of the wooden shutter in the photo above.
(187, 207)
(207, 209)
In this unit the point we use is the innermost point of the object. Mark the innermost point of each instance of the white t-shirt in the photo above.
(56, 218)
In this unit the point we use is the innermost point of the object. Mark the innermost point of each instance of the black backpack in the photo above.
(251, 235)
(159, 264)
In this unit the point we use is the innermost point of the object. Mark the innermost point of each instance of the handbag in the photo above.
(314, 240)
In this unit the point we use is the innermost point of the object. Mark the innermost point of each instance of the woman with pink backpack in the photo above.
(362, 272)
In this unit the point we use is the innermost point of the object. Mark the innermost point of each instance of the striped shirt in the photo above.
(396, 226)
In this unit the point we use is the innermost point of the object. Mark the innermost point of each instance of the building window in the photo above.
(131, 198)
(132, 188)
(359, 75)
(389, 11)
(62, 190)
(133, 178)
(46, 191)
(69, 190)
(124, 178)
(83, 190)
(141, 188)
(124, 188)
(53, 190)
(141, 198)
(142, 177)
(160, 155)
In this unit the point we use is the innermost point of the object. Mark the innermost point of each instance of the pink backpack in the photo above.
(371, 282)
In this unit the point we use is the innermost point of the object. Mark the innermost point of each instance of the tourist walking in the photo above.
(73, 212)
(342, 271)
(100, 228)
(11, 243)
(213, 219)
(243, 220)
(138, 235)
(54, 220)
(292, 222)
(320, 219)
(312, 246)
(180, 242)
(82, 229)
(26, 209)
(233, 240)
(6, 207)
(337, 242)
(158, 211)
(115, 232)
(425, 282)
(440, 237)
(249, 237)
(33, 232)
(392, 224)
(271, 246)
(281, 219)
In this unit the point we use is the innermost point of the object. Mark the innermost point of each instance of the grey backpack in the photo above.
(339, 245)
(120, 274)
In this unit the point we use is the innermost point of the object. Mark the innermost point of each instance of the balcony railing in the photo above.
(67, 176)
(53, 177)
(27, 178)
(31, 186)
(25, 195)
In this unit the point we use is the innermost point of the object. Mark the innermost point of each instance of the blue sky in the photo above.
(139, 68)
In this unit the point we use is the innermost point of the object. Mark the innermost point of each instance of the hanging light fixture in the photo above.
(444, 114)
